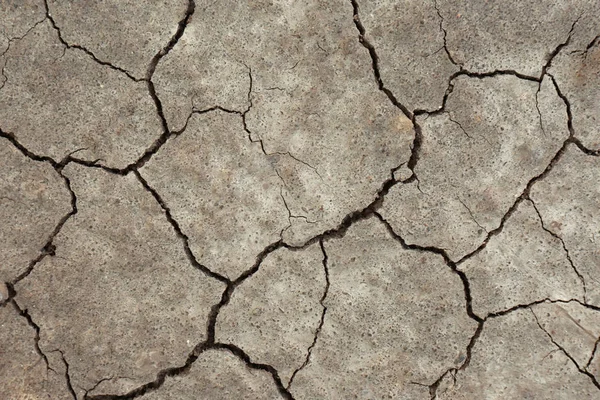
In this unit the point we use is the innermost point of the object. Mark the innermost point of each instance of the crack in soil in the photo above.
(337, 232)
(581, 370)
(566, 250)
(83, 49)
(177, 228)
(321, 322)
(25, 314)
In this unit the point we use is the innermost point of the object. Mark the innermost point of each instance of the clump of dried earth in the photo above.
(299, 200)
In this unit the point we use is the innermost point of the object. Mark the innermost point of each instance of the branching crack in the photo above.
(581, 370)
(558, 49)
(67, 375)
(369, 211)
(433, 388)
(435, 4)
(25, 314)
(452, 371)
(418, 140)
(566, 250)
(523, 196)
(321, 322)
(589, 46)
(166, 133)
(210, 342)
(49, 249)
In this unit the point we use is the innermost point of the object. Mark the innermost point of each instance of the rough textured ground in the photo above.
(347, 199)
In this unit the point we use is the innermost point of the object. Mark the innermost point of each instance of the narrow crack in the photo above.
(589, 152)
(290, 215)
(11, 40)
(67, 375)
(177, 228)
(564, 246)
(589, 46)
(458, 124)
(517, 307)
(25, 314)
(321, 322)
(589, 362)
(13, 140)
(581, 370)
(49, 248)
(558, 49)
(537, 107)
(473, 75)
(161, 376)
(189, 12)
(110, 378)
(435, 4)
(471, 215)
(362, 33)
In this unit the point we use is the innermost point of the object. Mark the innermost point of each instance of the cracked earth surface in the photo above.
(299, 200)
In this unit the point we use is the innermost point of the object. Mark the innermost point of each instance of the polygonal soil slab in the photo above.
(24, 375)
(222, 190)
(306, 87)
(33, 200)
(217, 374)
(120, 298)
(477, 157)
(395, 319)
(515, 359)
(57, 101)
(274, 315)
(568, 199)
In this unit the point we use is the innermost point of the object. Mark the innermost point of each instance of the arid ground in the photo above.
(341, 199)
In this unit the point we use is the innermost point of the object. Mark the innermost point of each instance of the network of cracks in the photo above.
(266, 200)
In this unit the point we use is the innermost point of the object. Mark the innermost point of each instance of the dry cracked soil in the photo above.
(344, 199)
